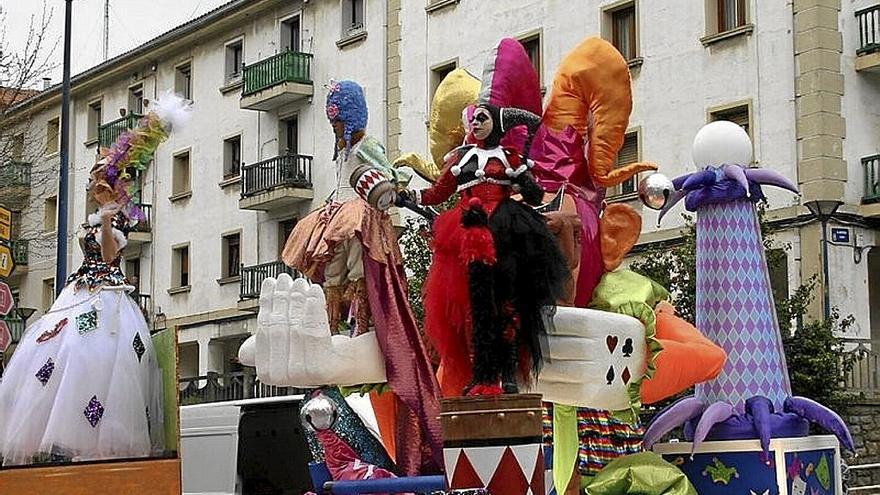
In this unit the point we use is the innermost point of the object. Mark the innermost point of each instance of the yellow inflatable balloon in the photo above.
(447, 131)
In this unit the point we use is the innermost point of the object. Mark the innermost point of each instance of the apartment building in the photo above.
(802, 78)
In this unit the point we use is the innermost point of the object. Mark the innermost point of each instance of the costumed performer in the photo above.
(350, 246)
(84, 383)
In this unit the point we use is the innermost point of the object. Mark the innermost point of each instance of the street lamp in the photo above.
(25, 313)
(823, 210)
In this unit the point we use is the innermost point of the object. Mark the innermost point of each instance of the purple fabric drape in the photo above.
(408, 369)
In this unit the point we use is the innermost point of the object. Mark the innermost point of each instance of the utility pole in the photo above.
(106, 29)
(61, 249)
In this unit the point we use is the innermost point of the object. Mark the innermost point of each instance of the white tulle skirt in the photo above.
(83, 384)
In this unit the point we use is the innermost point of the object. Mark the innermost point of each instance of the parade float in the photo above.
(548, 347)
(758, 433)
(89, 402)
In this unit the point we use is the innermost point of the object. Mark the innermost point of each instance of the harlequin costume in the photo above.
(350, 243)
(496, 266)
(84, 383)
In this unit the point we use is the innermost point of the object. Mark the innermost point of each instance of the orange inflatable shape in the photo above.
(593, 84)
(687, 357)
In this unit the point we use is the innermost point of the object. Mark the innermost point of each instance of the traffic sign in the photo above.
(6, 300)
(5, 232)
(5, 336)
(5, 216)
(7, 264)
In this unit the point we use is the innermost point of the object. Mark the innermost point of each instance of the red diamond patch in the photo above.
(465, 475)
(509, 478)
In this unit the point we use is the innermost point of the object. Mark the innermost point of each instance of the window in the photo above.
(52, 136)
(777, 265)
(232, 157)
(17, 147)
(136, 99)
(48, 293)
(234, 60)
(352, 17)
(438, 74)
(289, 135)
(133, 272)
(231, 255)
(180, 180)
(629, 153)
(285, 227)
(290, 39)
(532, 44)
(94, 120)
(50, 214)
(731, 14)
(738, 114)
(180, 266)
(623, 31)
(183, 81)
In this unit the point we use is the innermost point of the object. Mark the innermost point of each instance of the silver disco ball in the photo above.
(654, 190)
(319, 413)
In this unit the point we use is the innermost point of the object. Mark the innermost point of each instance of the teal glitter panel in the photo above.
(735, 307)
(87, 322)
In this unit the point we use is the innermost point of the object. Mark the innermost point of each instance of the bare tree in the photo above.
(28, 169)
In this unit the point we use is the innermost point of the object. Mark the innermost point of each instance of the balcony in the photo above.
(276, 81)
(143, 302)
(142, 233)
(216, 387)
(868, 53)
(15, 183)
(864, 377)
(252, 279)
(107, 133)
(278, 182)
(871, 198)
(20, 254)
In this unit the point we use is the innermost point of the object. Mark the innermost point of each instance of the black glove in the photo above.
(403, 197)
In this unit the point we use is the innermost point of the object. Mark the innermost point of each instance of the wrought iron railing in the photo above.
(216, 387)
(864, 377)
(15, 173)
(284, 170)
(20, 251)
(143, 301)
(871, 165)
(252, 277)
(145, 225)
(286, 66)
(869, 30)
(109, 132)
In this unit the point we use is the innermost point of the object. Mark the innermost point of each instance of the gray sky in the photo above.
(132, 22)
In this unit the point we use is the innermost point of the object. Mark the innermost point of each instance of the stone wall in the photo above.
(863, 418)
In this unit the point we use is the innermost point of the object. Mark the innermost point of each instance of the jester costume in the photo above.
(496, 265)
(351, 247)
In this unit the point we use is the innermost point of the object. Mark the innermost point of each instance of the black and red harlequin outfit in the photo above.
(495, 267)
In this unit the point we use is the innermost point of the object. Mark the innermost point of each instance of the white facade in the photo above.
(680, 76)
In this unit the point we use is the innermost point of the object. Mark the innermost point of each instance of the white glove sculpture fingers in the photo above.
(278, 329)
(297, 355)
(261, 337)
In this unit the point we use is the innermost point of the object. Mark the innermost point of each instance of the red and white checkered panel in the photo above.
(508, 470)
(368, 181)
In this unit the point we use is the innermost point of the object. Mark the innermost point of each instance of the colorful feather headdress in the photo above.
(134, 149)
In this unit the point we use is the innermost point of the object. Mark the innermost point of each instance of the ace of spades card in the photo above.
(593, 357)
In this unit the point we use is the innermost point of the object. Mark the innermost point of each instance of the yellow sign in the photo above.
(5, 216)
(5, 232)
(7, 264)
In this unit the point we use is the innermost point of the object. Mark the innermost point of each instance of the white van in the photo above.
(250, 447)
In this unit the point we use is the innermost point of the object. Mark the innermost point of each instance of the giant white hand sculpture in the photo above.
(593, 357)
(293, 346)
